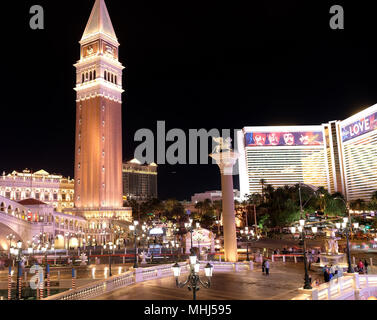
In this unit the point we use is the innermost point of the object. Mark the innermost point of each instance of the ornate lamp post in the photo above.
(189, 227)
(246, 233)
(10, 237)
(345, 227)
(133, 228)
(111, 247)
(17, 252)
(193, 280)
(301, 230)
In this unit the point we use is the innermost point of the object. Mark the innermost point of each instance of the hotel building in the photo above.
(339, 155)
(52, 189)
(139, 180)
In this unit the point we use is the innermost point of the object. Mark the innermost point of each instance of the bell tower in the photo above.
(98, 145)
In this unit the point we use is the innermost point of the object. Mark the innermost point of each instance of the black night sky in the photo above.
(194, 64)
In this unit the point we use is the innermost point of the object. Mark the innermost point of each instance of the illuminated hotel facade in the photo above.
(339, 155)
(52, 189)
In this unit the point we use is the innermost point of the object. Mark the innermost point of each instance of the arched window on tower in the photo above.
(105, 75)
(86, 76)
(83, 78)
(90, 75)
(94, 75)
(112, 78)
(116, 82)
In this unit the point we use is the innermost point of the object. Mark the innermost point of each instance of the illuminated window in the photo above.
(103, 169)
(103, 138)
(103, 122)
(79, 165)
(79, 150)
(103, 108)
(78, 181)
(103, 185)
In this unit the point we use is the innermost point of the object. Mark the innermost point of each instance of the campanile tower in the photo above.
(98, 146)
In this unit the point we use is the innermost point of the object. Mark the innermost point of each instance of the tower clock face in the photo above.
(89, 50)
(110, 50)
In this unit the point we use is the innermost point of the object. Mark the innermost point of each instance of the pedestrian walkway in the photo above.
(282, 284)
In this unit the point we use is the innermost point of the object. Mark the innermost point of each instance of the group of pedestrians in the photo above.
(331, 273)
(362, 267)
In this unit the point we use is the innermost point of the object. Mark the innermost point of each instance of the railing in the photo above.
(292, 257)
(351, 286)
(133, 276)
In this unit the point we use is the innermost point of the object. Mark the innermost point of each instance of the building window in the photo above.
(18, 195)
(103, 108)
(112, 78)
(37, 196)
(105, 75)
(116, 82)
(83, 78)
(7, 195)
(78, 181)
(103, 138)
(86, 76)
(46, 196)
(55, 196)
(103, 169)
(94, 74)
(103, 122)
(90, 75)
(63, 196)
(79, 165)
(79, 150)
(103, 153)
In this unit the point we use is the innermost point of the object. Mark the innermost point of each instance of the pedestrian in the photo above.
(326, 275)
(366, 264)
(267, 267)
(360, 266)
(263, 266)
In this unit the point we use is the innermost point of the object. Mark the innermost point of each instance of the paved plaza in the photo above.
(282, 284)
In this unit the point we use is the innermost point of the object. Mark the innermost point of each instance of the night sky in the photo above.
(194, 64)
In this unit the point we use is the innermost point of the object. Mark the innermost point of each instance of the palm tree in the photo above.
(262, 182)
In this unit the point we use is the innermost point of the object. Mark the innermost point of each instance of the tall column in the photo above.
(226, 161)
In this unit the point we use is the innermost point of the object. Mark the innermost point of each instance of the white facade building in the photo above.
(339, 155)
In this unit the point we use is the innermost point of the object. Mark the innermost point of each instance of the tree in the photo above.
(262, 182)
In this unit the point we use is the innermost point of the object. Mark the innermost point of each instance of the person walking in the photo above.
(326, 275)
(366, 264)
(263, 265)
(267, 267)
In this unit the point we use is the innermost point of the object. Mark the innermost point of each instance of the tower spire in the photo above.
(99, 23)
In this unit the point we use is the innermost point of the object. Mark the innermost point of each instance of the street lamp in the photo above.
(189, 228)
(301, 229)
(193, 280)
(345, 227)
(17, 251)
(246, 233)
(133, 228)
(111, 247)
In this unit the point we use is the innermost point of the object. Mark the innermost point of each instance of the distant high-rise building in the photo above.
(339, 155)
(139, 180)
